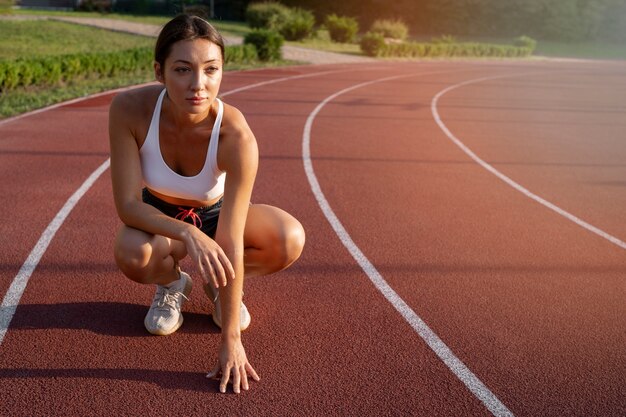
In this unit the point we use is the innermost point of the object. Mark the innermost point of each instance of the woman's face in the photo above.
(192, 74)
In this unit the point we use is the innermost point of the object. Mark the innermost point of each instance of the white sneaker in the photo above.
(214, 296)
(164, 316)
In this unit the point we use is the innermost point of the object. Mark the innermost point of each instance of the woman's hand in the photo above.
(213, 264)
(232, 360)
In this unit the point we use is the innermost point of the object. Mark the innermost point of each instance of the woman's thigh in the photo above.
(136, 249)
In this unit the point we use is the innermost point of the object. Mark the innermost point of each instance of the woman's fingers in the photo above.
(227, 265)
(244, 378)
(225, 378)
(207, 272)
(219, 269)
(250, 371)
(236, 380)
(198, 262)
(215, 268)
(239, 376)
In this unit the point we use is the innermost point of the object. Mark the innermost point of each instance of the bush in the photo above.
(394, 29)
(342, 29)
(240, 54)
(372, 43)
(269, 15)
(267, 43)
(299, 25)
(526, 42)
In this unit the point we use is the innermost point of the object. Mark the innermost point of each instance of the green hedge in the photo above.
(52, 70)
(390, 28)
(293, 24)
(266, 42)
(373, 44)
(299, 25)
(241, 54)
(342, 29)
(267, 15)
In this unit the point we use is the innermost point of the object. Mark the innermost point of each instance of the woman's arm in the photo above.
(238, 157)
(124, 115)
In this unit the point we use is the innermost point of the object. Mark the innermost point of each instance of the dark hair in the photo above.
(185, 27)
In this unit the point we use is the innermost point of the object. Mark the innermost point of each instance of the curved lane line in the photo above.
(18, 285)
(503, 177)
(458, 368)
(13, 295)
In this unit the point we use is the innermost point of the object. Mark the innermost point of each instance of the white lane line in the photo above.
(13, 295)
(503, 177)
(18, 285)
(458, 368)
(293, 77)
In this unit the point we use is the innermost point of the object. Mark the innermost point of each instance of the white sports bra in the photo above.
(208, 184)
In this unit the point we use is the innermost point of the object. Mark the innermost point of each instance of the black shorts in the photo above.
(205, 218)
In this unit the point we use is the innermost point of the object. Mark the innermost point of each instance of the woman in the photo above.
(183, 164)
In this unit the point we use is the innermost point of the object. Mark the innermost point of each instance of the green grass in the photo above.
(22, 100)
(330, 46)
(37, 38)
(224, 26)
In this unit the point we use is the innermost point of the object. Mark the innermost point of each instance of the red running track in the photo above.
(529, 303)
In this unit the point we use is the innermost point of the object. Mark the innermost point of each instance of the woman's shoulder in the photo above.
(237, 142)
(138, 103)
(234, 124)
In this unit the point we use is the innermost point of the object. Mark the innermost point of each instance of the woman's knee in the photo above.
(293, 243)
(286, 244)
(275, 237)
(134, 254)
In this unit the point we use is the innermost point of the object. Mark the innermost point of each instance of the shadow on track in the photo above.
(176, 380)
(97, 318)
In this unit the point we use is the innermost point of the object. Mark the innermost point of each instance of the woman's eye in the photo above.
(212, 69)
(181, 69)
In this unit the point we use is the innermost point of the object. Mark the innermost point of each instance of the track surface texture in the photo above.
(528, 303)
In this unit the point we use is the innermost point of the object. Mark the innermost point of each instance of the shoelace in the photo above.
(183, 214)
(167, 297)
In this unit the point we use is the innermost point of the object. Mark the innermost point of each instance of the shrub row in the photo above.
(52, 70)
(241, 54)
(267, 43)
(342, 29)
(292, 23)
(373, 44)
(394, 29)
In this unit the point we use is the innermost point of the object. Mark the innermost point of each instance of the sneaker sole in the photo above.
(186, 291)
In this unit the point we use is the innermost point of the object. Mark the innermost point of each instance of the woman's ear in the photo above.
(158, 72)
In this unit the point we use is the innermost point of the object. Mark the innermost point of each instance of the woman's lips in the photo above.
(196, 100)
